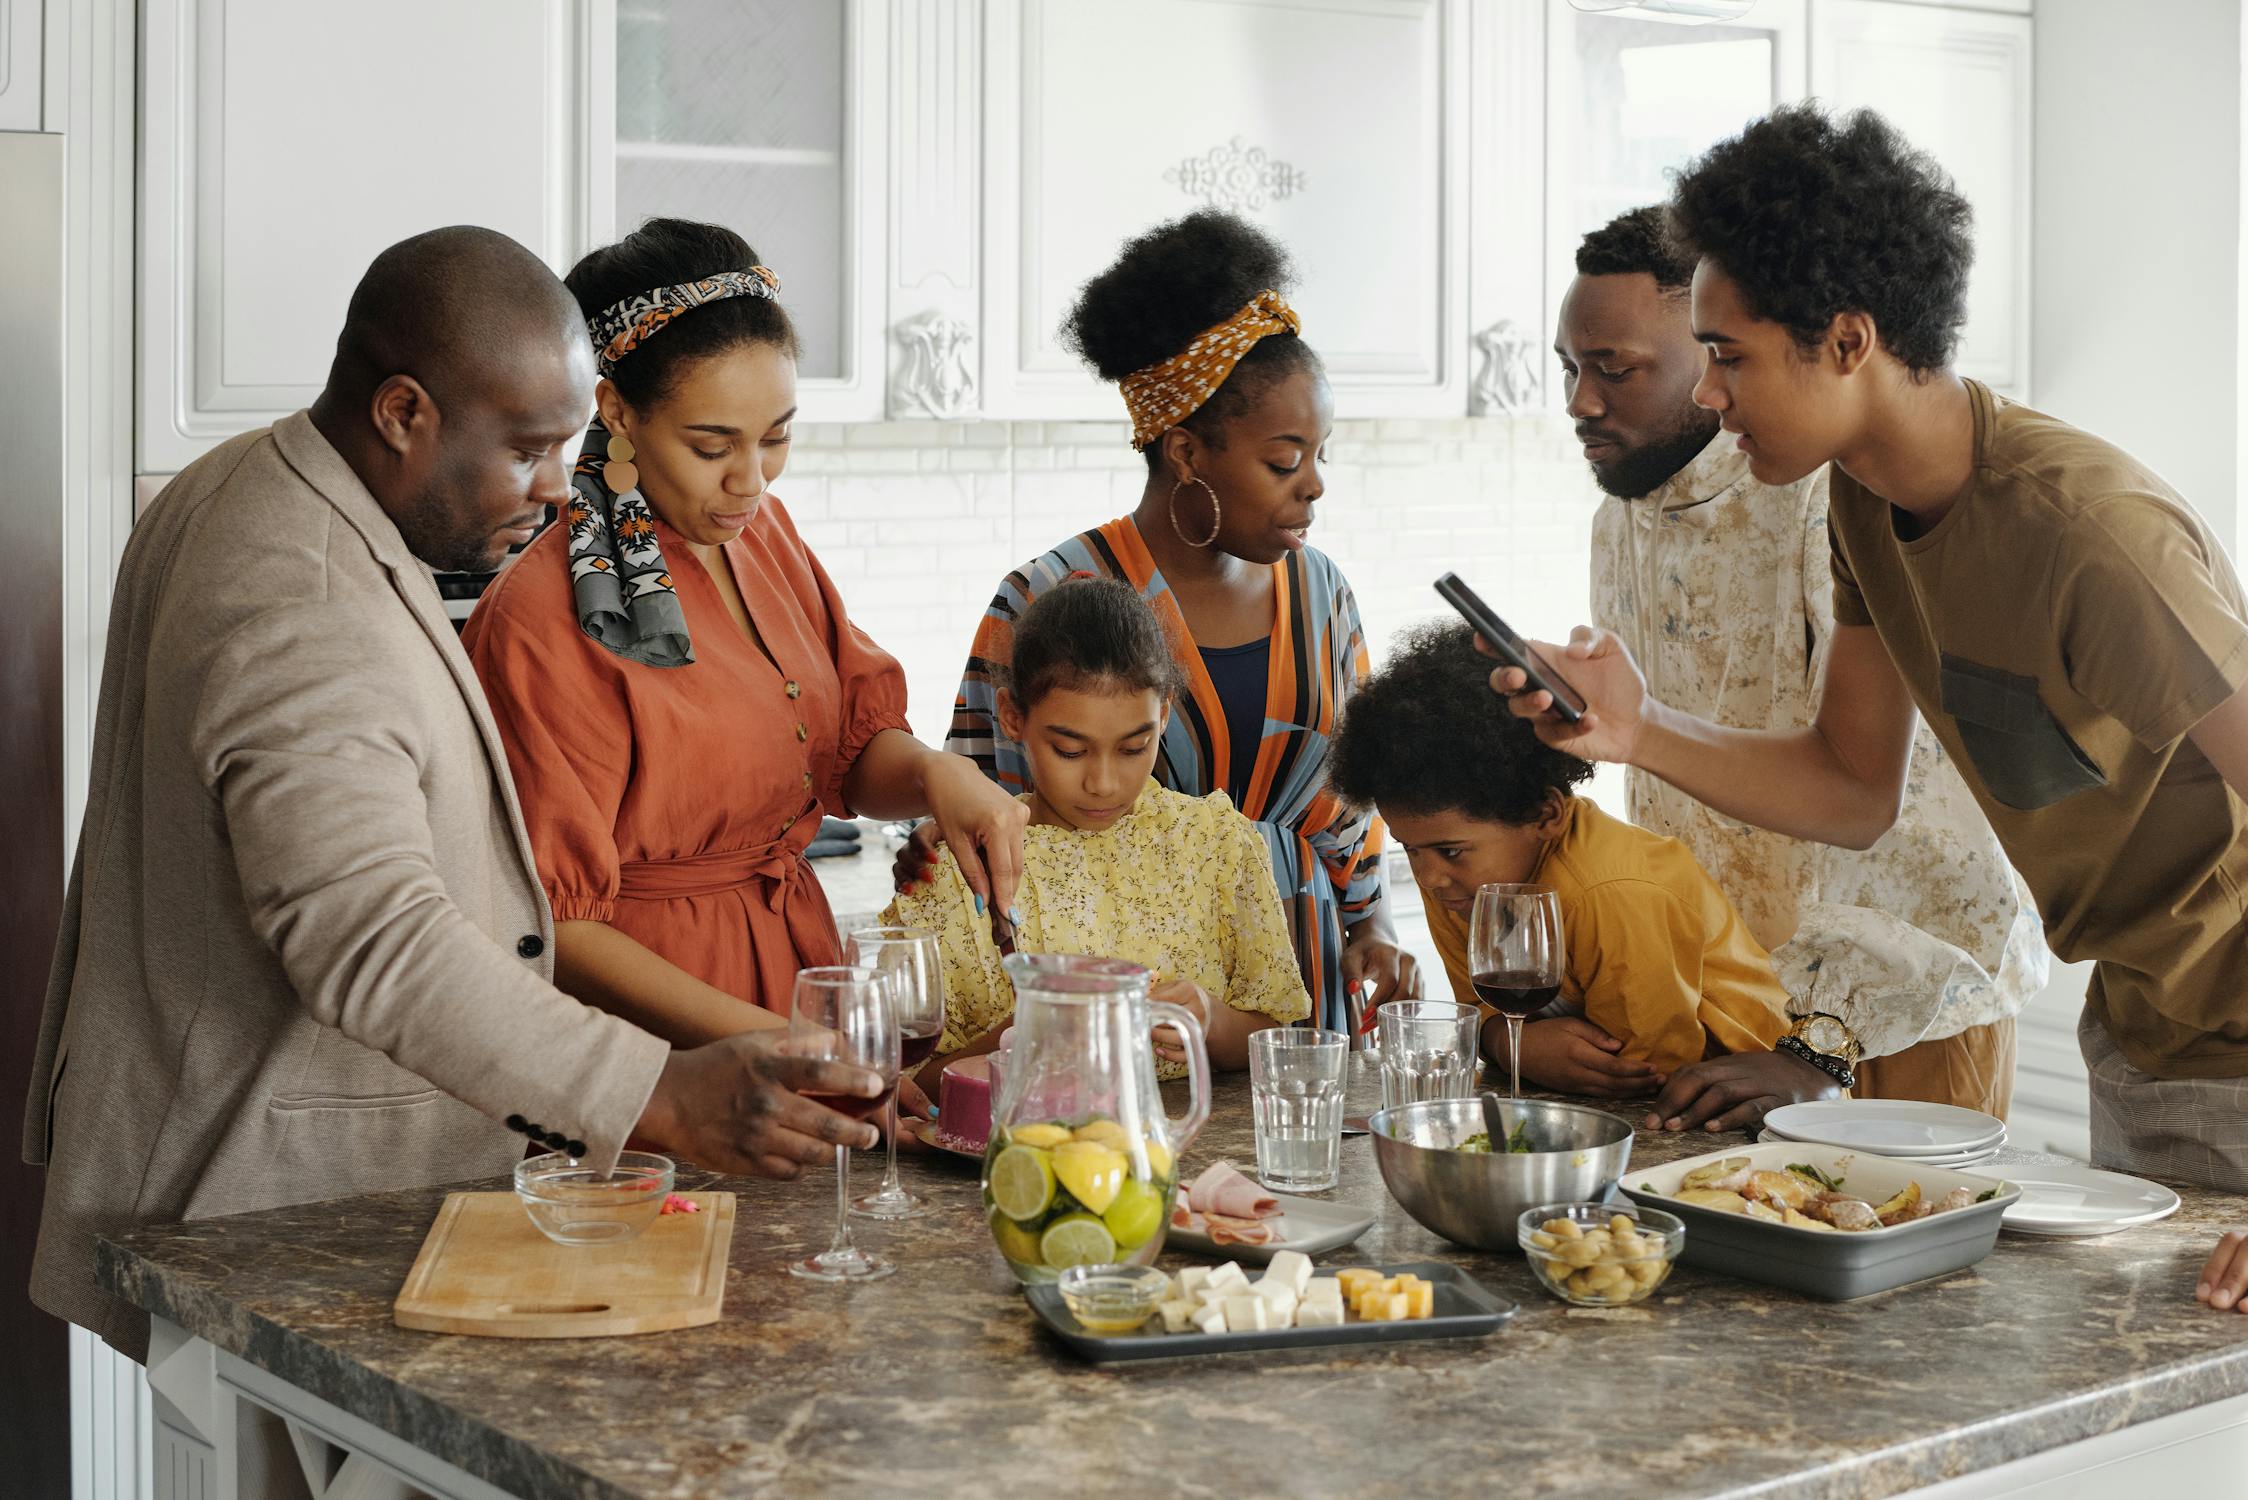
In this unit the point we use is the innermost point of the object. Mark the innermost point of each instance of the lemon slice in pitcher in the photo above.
(1092, 1172)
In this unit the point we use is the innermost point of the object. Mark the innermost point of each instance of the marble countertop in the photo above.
(939, 1380)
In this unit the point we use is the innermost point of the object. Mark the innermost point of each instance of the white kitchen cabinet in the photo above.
(1630, 100)
(23, 65)
(283, 145)
(1339, 125)
(1957, 83)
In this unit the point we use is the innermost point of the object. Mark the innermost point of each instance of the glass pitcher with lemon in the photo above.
(1083, 1162)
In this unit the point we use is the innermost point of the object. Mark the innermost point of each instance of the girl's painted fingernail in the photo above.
(979, 903)
(1015, 915)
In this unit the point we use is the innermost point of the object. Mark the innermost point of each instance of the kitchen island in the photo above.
(2049, 1357)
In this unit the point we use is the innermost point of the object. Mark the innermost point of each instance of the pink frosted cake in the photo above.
(965, 1090)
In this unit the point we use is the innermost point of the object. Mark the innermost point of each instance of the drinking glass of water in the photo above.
(1296, 1093)
(1428, 1050)
(1514, 958)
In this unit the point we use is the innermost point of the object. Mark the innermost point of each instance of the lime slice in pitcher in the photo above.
(1135, 1215)
(1077, 1240)
(1022, 1182)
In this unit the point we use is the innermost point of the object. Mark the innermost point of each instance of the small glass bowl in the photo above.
(574, 1204)
(1112, 1298)
(1586, 1264)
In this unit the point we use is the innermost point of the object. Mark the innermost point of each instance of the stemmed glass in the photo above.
(907, 958)
(843, 1014)
(1514, 959)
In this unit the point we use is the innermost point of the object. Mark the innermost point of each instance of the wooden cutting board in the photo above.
(486, 1269)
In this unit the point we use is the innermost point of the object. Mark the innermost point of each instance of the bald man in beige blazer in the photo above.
(305, 952)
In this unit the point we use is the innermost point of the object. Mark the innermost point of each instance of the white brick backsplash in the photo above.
(918, 521)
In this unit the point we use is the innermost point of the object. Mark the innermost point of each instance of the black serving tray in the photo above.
(1463, 1308)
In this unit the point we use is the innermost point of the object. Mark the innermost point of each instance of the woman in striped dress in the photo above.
(1231, 409)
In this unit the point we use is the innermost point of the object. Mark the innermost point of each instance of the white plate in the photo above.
(1888, 1127)
(2065, 1201)
(1306, 1224)
(1949, 1159)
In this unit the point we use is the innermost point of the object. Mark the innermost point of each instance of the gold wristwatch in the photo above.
(1824, 1041)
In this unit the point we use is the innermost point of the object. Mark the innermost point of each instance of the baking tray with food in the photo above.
(1222, 1311)
(1836, 1224)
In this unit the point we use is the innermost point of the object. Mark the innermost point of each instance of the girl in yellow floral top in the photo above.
(1114, 864)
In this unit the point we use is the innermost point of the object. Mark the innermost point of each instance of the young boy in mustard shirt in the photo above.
(1661, 972)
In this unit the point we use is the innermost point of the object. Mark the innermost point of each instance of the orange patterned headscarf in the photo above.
(1162, 396)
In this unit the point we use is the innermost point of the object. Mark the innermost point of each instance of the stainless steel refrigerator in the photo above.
(34, 1427)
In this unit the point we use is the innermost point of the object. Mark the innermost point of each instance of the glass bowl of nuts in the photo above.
(1599, 1254)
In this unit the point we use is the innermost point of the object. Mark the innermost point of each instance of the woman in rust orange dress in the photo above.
(678, 684)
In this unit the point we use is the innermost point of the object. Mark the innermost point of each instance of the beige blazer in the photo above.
(305, 952)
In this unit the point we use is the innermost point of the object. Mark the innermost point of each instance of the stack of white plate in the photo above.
(1934, 1135)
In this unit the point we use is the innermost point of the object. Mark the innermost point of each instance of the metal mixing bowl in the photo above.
(1478, 1199)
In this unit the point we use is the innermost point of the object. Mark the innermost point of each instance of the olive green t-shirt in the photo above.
(2062, 627)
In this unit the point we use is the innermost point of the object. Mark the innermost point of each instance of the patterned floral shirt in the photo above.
(1721, 587)
(1179, 884)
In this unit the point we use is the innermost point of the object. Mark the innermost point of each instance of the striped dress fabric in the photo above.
(1325, 855)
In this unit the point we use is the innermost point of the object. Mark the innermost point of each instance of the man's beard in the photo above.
(1642, 470)
(435, 532)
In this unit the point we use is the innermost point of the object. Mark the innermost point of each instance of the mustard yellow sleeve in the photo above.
(977, 994)
(1635, 965)
(1261, 973)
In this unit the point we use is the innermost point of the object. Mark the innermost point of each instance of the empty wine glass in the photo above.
(908, 959)
(1514, 960)
(843, 1014)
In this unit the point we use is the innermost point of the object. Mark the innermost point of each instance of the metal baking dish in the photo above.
(1464, 1308)
(1835, 1266)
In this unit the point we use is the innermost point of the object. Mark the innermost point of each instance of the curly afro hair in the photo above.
(1636, 243)
(666, 252)
(1171, 284)
(1089, 630)
(1426, 735)
(1812, 216)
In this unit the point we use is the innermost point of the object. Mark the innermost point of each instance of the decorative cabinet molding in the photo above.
(276, 161)
(23, 65)
(935, 264)
(1957, 83)
(1356, 158)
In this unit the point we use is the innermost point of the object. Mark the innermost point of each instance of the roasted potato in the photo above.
(1705, 1175)
(1797, 1220)
(1898, 1206)
(1717, 1198)
(1784, 1189)
(1765, 1211)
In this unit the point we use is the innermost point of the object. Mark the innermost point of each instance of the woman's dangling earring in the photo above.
(1181, 530)
(618, 473)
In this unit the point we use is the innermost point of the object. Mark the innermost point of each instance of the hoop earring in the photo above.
(1174, 509)
(619, 473)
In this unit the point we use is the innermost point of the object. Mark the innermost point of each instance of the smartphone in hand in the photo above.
(1568, 704)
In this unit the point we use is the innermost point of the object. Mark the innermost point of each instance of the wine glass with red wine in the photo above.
(908, 957)
(844, 1014)
(1514, 960)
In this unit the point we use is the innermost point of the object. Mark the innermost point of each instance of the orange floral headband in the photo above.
(1162, 396)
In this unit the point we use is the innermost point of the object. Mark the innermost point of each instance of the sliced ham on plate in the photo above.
(1223, 1229)
(1223, 1190)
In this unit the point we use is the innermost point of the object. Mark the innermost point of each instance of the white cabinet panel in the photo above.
(1957, 83)
(1339, 125)
(283, 145)
(22, 65)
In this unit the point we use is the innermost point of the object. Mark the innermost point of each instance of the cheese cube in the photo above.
(1351, 1278)
(1211, 1319)
(1325, 1290)
(1178, 1315)
(1292, 1267)
(1319, 1315)
(1210, 1296)
(1420, 1300)
(1229, 1275)
(1246, 1314)
(1282, 1303)
(1190, 1281)
(1395, 1308)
